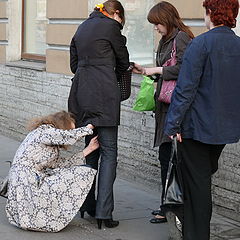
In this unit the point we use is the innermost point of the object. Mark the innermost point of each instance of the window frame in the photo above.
(25, 55)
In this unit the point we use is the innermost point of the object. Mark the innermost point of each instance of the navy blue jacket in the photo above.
(206, 102)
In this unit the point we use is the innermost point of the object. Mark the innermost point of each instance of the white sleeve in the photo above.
(54, 136)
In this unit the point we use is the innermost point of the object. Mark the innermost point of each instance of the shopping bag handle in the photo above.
(174, 151)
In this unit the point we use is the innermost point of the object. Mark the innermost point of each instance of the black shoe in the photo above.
(158, 220)
(109, 223)
(157, 212)
(90, 213)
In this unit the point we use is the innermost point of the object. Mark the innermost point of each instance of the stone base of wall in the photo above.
(26, 93)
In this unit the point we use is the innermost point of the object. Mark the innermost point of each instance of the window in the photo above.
(34, 29)
(138, 30)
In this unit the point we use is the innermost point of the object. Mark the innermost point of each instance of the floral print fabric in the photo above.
(45, 191)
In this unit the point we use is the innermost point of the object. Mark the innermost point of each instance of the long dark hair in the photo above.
(166, 14)
(111, 6)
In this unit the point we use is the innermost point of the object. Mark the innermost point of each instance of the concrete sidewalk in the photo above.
(133, 205)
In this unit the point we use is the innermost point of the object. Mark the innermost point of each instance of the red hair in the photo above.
(222, 11)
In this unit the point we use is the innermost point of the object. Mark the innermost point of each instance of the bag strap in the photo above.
(174, 48)
(174, 151)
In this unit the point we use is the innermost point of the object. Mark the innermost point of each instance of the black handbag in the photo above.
(173, 192)
(124, 83)
(4, 185)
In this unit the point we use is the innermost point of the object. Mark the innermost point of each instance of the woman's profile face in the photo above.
(116, 17)
(160, 29)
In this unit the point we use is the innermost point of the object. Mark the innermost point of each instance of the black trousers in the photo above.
(104, 205)
(198, 163)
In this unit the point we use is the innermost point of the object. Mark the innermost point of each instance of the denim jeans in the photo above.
(107, 154)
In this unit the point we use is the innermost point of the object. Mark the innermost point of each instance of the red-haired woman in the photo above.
(169, 25)
(204, 110)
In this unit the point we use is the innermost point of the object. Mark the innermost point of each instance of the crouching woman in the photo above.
(46, 191)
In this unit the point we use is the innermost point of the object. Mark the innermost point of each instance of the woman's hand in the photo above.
(152, 71)
(179, 137)
(138, 69)
(92, 146)
(90, 126)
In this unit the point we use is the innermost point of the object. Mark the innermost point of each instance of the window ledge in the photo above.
(38, 66)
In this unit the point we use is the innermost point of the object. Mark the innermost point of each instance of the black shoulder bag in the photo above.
(4, 185)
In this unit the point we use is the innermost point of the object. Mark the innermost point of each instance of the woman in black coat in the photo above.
(98, 57)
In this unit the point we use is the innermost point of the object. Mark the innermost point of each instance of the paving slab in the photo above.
(133, 205)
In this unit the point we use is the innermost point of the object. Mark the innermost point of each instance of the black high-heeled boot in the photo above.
(109, 223)
(90, 213)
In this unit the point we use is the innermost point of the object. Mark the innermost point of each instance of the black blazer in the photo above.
(205, 104)
(98, 54)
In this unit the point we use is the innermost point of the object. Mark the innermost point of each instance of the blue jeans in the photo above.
(107, 153)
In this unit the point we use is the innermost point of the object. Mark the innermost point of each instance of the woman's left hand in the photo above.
(179, 137)
(92, 146)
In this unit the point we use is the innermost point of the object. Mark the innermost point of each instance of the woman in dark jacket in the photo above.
(167, 22)
(204, 112)
(98, 57)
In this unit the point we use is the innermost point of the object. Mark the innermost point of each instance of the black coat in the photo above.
(98, 55)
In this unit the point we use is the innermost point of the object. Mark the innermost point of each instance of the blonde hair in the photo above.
(61, 120)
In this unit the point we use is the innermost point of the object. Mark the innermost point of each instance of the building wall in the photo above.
(3, 30)
(62, 25)
(27, 90)
(237, 29)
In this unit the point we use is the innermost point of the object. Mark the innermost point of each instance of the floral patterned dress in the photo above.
(45, 191)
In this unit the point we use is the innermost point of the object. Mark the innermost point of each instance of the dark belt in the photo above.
(95, 62)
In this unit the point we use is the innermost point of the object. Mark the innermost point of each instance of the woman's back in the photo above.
(98, 57)
(213, 117)
(94, 36)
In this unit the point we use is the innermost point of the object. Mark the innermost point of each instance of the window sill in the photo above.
(33, 65)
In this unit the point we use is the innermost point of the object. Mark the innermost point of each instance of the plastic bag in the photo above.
(173, 192)
(145, 99)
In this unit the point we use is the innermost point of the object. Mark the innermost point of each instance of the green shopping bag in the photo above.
(145, 98)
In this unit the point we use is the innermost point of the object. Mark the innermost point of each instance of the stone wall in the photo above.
(27, 93)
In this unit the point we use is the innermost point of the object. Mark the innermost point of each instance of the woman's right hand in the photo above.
(90, 126)
(92, 146)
